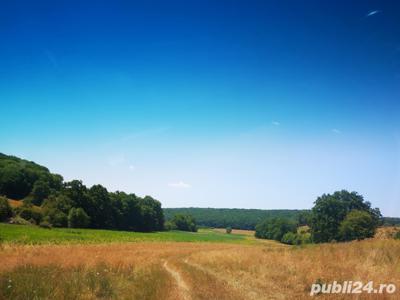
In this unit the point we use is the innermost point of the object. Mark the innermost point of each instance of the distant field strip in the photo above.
(19, 234)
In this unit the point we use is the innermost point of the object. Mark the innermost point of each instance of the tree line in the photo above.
(341, 216)
(236, 218)
(50, 201)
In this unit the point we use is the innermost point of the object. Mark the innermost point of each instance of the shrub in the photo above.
(184, 222)
(56, 217)
(77, 218)
(274, 229)
(357, 225)
(229, 230)
(19, 221)
(397, 235)
(5, 209)
(168, 225)
(28, 213)
(290, 238)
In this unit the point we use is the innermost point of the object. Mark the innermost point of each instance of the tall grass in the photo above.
(264, 270)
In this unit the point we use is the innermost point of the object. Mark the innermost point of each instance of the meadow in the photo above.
(30, 235)
(210, 264)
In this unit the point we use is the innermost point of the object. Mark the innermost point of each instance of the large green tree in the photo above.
(330, 210)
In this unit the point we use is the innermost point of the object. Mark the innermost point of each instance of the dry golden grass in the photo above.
(195, 270)
(386, 232)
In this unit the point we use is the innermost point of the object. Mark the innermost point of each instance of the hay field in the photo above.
(182, 270)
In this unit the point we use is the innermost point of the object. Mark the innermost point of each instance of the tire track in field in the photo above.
(183, 287)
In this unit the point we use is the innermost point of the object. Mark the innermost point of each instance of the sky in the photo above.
(245, 104)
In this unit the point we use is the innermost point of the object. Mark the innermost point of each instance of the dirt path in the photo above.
(183, 288)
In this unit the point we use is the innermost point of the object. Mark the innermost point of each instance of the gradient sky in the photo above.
(249, 104)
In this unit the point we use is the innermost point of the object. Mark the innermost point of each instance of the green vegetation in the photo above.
(236, 218)
(343, 216)
(357, 225)
(36, 235)
(95, 207)
(77, 218)
(275, 229)
(228, 230)
(5, 209)
(390, 221)
(20, 178)
(182, 222)
(335, 216)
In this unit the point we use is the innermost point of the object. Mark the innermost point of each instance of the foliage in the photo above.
(274, 229)
(330, 210)
(77, 218)
(228, 230)
(56, 209)
(27, 211)
(291, 238)
(40, 191)
(17, 220)
(23, 179)
(18, 178)
(304, 218)
(397, 235)
(5, 209)
(184, 222)
(234, 217)
(389, 221)
(357, 225)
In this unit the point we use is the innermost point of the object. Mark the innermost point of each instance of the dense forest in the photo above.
(232, 217)
(50, 201)
(239, 218)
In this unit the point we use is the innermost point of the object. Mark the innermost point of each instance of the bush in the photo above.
(228, 230)
(56, 217)
(357, 225)
(77, 218)
(184, 222)
(28, 213)
(274, 229)
(168, 225)
(5, 209)
(19, 221)
(291, 238)
(397, 235)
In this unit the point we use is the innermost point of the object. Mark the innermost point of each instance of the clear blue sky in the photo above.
(253, 104)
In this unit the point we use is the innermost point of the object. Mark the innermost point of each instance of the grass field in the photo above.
(177, 265)
(18, 234)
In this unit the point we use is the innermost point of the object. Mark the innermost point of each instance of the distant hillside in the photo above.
(389, 221)
(20, 177)
(237, 218)
(240, 218)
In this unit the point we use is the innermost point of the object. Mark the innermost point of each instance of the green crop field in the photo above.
(21, 234)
